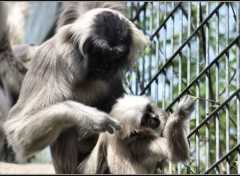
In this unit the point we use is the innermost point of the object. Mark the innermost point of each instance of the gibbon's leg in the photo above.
(32, 132)
(174, 130)
(65, 158)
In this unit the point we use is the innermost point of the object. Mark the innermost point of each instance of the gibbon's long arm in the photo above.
(175, 133)
(174, 144)
(44, 108)
(32, 132)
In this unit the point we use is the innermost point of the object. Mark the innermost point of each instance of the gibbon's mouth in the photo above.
(133, 133)
(103, 73)
(141, 132)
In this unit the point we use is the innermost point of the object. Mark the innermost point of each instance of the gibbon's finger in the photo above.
(109, 129)
(108, 124)
(187, 102)
(99, 129)
(114, 123)
(186, 107)
(106, 127)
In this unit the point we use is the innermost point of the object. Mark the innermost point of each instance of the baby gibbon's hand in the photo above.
(186, 107)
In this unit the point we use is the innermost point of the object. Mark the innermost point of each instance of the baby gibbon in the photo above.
(147, 136)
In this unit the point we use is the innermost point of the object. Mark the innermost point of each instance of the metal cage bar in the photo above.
(197, 95)
(207, 88)
(238, 83)
(189, 69)
(226, 81)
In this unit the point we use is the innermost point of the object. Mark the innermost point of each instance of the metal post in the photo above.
(164, 55)
(207, 89)
(238, 83)
(217, 136)
(189, 69)
(227, 82)
(180, 64)
(157, 54)
(197, 95)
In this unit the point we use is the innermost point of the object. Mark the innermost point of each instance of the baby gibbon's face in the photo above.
(137, 115)
(150, 118)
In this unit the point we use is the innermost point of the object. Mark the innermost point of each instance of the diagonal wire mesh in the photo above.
(194, 50)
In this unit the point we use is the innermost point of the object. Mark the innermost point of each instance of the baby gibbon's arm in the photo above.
(174, 131)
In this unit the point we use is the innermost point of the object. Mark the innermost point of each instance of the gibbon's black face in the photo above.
(108, 47)
(150, 118)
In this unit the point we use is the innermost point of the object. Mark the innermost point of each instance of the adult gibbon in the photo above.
(138, 146)
(14, 60)
(72, 82)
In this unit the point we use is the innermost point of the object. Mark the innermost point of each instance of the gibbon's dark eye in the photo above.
(144, 120)
(150, 109)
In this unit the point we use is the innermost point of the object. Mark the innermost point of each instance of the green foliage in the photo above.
(41, 157)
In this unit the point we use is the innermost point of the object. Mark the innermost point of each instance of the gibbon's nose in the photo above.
(154, 122)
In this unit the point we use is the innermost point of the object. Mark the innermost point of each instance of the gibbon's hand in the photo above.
(91, 119)
(186, 107)
(104, 123)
